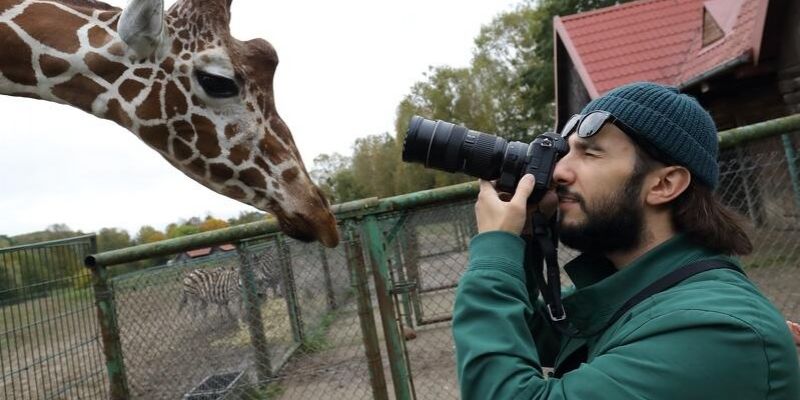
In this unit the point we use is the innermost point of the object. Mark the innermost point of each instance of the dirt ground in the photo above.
(167, 351)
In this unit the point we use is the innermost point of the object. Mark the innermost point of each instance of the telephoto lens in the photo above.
(453, 148)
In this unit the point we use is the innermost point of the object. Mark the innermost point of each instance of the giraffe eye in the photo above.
(217, 86)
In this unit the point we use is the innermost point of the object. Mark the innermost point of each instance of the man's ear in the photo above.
(666, 184)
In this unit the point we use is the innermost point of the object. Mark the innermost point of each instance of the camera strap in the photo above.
(546, 237)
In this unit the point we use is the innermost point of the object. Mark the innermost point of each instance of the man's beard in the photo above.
(614, 223)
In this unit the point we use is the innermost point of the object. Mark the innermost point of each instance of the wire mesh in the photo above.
(173, 343)
(49, 342)
(283, 320)
(432, 249)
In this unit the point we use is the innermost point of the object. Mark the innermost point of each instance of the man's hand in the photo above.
(494, 214)
(794, 327)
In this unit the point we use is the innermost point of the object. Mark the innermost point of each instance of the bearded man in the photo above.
(660, 308)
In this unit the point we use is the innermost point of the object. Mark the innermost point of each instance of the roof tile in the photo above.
(657, 40)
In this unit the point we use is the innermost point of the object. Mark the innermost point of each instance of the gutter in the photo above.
(745, 58)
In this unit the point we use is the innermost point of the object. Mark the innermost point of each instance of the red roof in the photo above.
(658, 40)
(207, 250)
(199, 252)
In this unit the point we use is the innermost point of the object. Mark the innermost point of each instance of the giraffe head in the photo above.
(212, 111)
(177, 79)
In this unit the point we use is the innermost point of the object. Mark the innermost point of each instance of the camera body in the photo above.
(540, 159)
(448, 147)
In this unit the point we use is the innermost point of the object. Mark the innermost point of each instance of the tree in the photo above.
(325, 170)
(175, 230)
(148, 234)
(212, 223)
(247, 217)
(112, 239)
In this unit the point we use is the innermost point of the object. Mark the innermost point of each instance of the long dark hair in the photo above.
(699, 214)
(706, 221)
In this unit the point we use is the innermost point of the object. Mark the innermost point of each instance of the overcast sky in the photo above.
(344, 67)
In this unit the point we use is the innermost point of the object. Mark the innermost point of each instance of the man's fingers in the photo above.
(486, 188)
(524, 190)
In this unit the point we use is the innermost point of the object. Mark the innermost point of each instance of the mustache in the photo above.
(563, 192)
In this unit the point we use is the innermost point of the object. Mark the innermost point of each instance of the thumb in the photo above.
(524, 190)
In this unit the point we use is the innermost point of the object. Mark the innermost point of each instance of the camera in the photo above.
(453, 148)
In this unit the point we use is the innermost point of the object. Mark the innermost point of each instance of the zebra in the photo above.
(223, 285)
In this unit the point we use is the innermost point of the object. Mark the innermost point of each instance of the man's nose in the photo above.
(563, 174)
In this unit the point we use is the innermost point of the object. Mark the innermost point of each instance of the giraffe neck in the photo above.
(70, 53)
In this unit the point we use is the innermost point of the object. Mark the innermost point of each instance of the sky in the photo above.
(344, 67)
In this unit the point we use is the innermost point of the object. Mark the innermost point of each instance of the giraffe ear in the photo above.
(141, 25)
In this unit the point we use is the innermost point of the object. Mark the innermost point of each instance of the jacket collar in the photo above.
(602, 289)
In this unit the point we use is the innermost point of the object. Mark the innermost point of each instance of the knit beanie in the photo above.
(674, 123)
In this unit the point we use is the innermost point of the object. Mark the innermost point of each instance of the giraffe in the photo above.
(181, 83)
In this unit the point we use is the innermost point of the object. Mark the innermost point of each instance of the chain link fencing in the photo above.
(266, 317)
(49, 346)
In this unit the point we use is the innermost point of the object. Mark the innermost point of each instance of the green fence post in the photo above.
(369, 332)
(411, 242)
(326, 270)
(109, 332)
(255, 325)
(383, 289)
(401, 276)
(289, 289)
(791, 161)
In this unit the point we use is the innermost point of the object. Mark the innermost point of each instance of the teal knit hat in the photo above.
(674, 123)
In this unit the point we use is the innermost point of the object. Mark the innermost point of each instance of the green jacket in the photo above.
(712, 336)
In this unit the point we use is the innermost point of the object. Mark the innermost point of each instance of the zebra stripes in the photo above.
(222, 286)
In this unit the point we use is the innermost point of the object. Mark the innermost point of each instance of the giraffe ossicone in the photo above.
(179, 81)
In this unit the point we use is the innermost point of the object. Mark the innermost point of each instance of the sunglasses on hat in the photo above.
(587, 125)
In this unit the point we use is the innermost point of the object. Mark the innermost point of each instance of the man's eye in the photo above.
(591, 154)
(217, 86)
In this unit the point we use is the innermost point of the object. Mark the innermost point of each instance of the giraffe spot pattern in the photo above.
(181, 150)
(9, 4)
(115, 113)
(184, 130)
(106, 16)
(144, 73)
(175, 101)
(79, 91)
(273, 148)
(37, 18)
(207, 142)
(262, 163)
(253, 178)
(117, 49)
(290, 174)
(52, 66)
(234, 192)
(198, 167)
(109, 70)
(98, 37)
(151, 107)
(239, 153)
(16, 61)
(231, 130)
(220, 172)
(155, 136)
(130, 89)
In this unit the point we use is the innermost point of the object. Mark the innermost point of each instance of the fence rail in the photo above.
(282, 319)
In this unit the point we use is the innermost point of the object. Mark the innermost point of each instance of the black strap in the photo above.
(673, 278)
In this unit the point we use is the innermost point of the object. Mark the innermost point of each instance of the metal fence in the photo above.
(370, 318)
(49, 346)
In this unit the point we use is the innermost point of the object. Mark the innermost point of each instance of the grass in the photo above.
(316, 340)
(268, 392)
